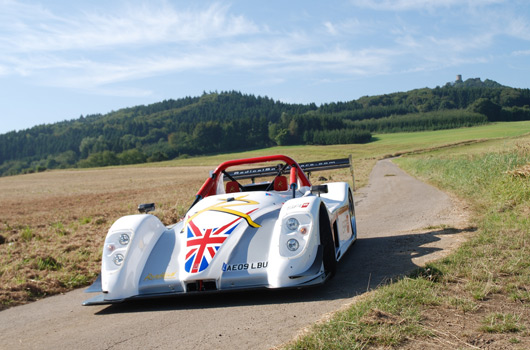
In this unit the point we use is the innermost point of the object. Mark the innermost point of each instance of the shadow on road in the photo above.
(369, 263)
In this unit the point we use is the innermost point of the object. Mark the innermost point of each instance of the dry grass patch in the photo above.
(54, 223)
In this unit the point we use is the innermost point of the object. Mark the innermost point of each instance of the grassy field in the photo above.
(479, 296)
(53, 224)
(384, 145)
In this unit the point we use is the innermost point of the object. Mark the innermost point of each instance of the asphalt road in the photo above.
(394, 213)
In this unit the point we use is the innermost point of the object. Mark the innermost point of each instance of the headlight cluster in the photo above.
(124, 239)
(293, 244)
(118, 259)
(293, 224)
(116, 249)
(294, 237)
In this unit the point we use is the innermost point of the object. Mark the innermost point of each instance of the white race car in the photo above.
(274, 234)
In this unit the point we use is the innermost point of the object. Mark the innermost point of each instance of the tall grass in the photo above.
(385, 319)
(484, 178)
(495, 261)
(498, 258)
(501, 201)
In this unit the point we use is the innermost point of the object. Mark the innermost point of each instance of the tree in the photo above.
(484, 106)
(132, 156)
(98, 159)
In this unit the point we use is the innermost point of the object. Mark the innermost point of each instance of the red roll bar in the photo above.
(208, 188)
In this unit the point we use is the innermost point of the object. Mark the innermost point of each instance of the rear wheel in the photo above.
(351, 207)
(326, 240)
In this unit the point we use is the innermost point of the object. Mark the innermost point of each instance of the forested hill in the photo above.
(231, 121)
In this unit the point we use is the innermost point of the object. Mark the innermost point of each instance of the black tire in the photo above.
(351, 207)
(328, 245)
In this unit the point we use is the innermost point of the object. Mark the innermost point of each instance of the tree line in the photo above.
(232, 121)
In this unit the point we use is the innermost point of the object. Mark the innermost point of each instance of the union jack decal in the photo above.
(202, 245)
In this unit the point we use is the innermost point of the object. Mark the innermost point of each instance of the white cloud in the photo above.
(521, 53)
(408, 5)
(409, 41)
(121, 92)
(350, 27)
(330, 28)
(34, 29)
(463, 43)
(518, 27)
(92, 50)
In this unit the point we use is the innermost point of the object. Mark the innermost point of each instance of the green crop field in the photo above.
(365, 155)
(384, 144)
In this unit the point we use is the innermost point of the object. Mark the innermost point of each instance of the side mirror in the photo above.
(146, 208)
(318, 189)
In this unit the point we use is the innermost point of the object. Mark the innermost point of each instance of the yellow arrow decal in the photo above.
(225, 204)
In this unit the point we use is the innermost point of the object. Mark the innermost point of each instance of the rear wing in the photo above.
(307, 167)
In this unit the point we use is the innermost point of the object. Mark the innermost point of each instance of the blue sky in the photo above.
(62, 59)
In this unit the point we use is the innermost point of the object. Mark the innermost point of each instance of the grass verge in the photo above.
(476, 297)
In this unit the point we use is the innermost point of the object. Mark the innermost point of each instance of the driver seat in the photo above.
(280, 183)
(232, 186)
